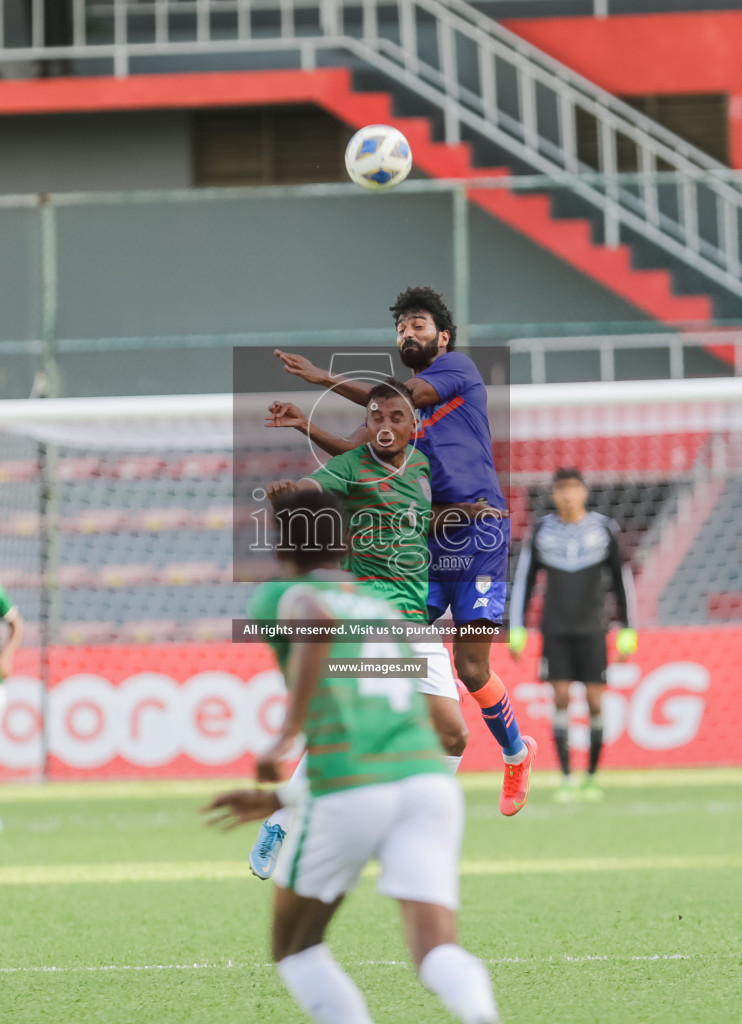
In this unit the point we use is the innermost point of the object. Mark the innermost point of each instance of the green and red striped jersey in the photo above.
(388, 519)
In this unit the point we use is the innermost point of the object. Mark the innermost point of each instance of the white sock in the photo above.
(322, 988)
(516, 758)
(452, 762)
(461, 982)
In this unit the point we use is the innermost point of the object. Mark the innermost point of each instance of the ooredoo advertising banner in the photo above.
(206, 709)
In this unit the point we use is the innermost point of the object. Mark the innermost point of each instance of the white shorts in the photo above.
(412, 827)
(440, 681)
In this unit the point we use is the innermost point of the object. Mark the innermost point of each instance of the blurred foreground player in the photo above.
(468, 566)
(574, 547)
(376, 789)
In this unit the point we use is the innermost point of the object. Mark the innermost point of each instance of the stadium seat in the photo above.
(726, 607)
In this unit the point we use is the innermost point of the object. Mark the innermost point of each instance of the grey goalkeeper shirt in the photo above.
(578, 558)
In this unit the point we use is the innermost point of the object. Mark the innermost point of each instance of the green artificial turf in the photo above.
(117, 906)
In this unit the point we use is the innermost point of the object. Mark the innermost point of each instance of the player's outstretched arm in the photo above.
(300, 366)
(285, 414)
(423, 393)
(281, 488)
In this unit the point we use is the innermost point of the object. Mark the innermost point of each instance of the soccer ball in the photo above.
(378, 157)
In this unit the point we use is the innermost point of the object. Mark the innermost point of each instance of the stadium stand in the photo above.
(709, 578)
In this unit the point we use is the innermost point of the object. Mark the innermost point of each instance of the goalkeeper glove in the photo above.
(626, 641)
(518, 639)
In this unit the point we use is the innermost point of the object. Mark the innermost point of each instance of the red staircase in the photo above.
(570, 240)
(332, 89)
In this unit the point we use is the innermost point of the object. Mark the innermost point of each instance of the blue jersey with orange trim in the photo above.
(455, 433)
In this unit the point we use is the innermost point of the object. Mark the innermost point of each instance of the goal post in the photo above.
(208, 418)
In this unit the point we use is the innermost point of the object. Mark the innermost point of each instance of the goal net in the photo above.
(117, 515)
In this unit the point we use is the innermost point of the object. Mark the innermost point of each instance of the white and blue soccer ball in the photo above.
(378, 157)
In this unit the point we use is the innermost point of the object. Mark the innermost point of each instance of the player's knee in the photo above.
(471, 670)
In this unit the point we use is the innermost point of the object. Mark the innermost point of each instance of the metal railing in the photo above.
(489, 84)
(535, 344)
(605, 345)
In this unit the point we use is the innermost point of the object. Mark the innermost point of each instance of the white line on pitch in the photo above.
(477, 808)
(230, 964)
(471, 781)
(182, 871)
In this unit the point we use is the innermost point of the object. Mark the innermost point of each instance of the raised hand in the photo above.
(300, 366)
(280, 488)
(285, 414)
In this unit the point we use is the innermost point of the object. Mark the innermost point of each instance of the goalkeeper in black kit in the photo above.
(579, 552)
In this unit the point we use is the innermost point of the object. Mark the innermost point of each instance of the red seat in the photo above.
(725, 606)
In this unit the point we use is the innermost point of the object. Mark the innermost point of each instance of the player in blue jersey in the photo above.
(468, 567)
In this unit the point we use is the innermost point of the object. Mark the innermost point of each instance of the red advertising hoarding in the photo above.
(175, 711)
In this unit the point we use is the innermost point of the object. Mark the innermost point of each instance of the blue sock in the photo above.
(500, 720)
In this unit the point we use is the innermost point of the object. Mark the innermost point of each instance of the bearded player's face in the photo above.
(418, 340)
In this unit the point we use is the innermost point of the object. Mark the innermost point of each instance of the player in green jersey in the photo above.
(385, 487)
(377, 788)
(10, 615)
